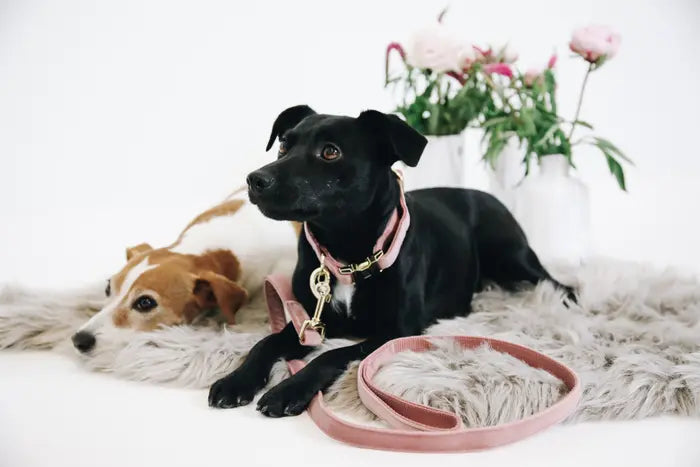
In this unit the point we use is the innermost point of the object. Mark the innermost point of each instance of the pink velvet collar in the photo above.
(396, 229)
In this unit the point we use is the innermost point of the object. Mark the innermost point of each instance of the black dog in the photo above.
(334, 173)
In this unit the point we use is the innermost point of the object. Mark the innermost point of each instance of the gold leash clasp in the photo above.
(320, 284)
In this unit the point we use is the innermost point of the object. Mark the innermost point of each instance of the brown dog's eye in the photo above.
(144, 303)
(108, 289)
(330, 152)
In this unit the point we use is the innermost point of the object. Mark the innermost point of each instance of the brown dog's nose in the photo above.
(83, 341)
(259, 181)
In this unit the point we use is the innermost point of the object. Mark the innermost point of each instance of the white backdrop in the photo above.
(121, 120)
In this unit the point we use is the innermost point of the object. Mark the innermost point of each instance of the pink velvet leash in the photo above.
(418, 428)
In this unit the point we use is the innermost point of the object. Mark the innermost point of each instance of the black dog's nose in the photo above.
(259, 181)
(83, 341)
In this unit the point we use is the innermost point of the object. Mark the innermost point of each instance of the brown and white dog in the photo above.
(219, 261)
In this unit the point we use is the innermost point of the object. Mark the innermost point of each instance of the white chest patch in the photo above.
(342, 293)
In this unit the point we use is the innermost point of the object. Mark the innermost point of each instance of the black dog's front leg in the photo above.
(293, 395)
(239, 387)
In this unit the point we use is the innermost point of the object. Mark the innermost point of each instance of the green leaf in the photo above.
(616, 170)
(610, 147)
(548, 134)
(527, 123)
(583, 124)
(494, 121)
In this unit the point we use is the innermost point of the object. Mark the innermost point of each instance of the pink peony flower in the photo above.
(435, 48)
(552, 61)
(595, 43)
(499, 69)
(532, 76)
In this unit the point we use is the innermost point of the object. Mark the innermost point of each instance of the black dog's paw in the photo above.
(290, 397)
(235, 390)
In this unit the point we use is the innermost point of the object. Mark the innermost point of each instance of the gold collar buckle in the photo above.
(363, 266)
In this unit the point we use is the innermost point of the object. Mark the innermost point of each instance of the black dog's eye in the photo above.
(283, 147)
(144, 303)
(108, 289)
(330, 153)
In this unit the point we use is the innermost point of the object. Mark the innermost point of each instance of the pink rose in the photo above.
(435, 48)
(595, 43)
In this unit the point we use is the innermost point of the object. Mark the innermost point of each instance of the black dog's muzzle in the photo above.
(260, 181)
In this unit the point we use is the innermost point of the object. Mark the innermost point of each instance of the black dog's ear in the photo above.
(406, 143)
(288, 119)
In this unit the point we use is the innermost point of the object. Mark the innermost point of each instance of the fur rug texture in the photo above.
(633, 338)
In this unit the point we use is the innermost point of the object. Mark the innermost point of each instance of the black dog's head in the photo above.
(329, 164)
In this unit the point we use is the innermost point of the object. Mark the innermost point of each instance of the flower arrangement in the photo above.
(443, 79)
(448, 85)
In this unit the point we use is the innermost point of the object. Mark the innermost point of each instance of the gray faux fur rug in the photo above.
(634, 339)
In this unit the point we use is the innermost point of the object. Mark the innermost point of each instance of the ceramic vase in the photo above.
(553, 208)
(507, 172)
(442, 164)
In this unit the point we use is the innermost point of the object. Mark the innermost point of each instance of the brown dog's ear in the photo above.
(214, 290)
(402, 141)
(137, 250)
(288, 119)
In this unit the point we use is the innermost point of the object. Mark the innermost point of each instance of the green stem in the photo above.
(580, 99)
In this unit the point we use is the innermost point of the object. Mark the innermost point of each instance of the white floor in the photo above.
(54, 414)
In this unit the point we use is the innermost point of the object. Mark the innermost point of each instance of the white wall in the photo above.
(120, 120)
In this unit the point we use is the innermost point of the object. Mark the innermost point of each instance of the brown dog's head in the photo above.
(158, 287)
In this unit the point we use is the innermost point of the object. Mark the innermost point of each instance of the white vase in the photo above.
(507, 173)
(554, 210)
(442, 164)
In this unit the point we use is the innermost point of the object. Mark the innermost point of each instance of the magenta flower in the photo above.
(395, 46)
(499, 68)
